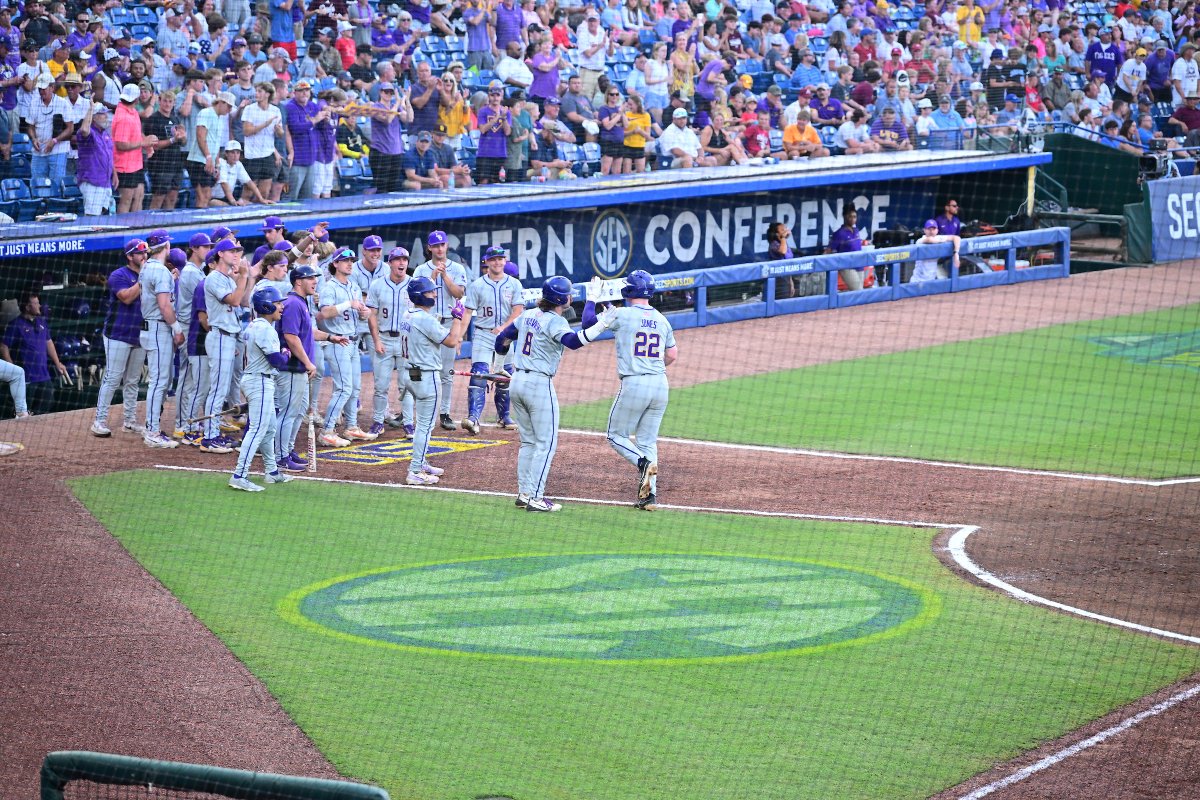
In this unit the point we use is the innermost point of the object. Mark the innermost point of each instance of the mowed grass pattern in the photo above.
(1043, 399)
(983, 680)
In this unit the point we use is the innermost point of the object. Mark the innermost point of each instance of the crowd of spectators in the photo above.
(226, 102)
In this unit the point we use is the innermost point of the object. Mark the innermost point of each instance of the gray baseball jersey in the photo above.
(643, 336)
(155, 279)
(444, 302)
(333, 293)
(218, 286)
(261, 339)
(492, 301)
(185, 290)
(361, 277)
(389, 301)
(538, 347)
(421, 337)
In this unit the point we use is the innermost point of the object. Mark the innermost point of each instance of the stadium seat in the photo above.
(350, 177)
(70, 199)
(776, 141)
(15, 190)
(455, 45)
(21, 143)
(143, 15)
(591, 155)
(18, 166)
(140, 30)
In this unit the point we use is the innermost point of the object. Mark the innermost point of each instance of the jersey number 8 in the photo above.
(527, 347)
(647, 345)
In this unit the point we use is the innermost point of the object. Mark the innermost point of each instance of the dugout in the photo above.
(665, 221)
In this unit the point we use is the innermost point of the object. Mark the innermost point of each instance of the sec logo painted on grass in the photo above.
(616, 607)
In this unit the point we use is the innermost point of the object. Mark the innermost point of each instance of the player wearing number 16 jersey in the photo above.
(493, 302)
(645, 348)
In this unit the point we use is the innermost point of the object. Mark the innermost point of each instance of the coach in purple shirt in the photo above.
(847, 239)
(27, 344)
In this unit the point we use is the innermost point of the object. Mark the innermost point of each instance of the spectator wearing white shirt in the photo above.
(854, 135)
(511, 69)
(1185, 75)
(1131, 76)
(231, 174)
(261, 123)
(681, 142)
(594, 46)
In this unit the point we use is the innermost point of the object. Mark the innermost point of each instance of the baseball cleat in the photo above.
(430, 469)
(392, 421)
(448, 424)
(178, 434)
(357, 434)
(331, 439)
(23, 415)
(522, 500)
(160, 441)
(230, 443)
(133, 427)
(192, 438)
(278, 477)
(243, 484)
(471, 426)
(507, 423)
(290, 465)
(100, 430)
(541, 504)
(214, 446)
(229, 427)
(420, 479)
(375, 430)
(299, 459)
(647, 469)
(649, 503)
(409, 431)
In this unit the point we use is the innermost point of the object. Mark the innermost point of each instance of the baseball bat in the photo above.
(312, 442)
(241, 408)
(499, 377)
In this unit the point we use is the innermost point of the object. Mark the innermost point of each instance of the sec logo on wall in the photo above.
(611, 244)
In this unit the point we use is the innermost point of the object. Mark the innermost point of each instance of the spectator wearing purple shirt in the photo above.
(889, 133)
(707, 83)
(830, 110)
(773, 105)
(1158, 72)
(302, 114)
(325, 165)
(96, 174)
(27, 344)
(387, 146)
(510, 25)
(479, 35)
(611, 117)
(847, 239)
(10, 122)
(495, 124)
(1104, 56)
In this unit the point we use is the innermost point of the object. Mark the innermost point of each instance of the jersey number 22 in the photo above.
(647, 345)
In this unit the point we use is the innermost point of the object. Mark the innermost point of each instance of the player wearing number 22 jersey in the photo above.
(645, 347)
(540, 334)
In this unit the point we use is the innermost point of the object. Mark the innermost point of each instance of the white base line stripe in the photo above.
(958, 549)
(1079, 747)
(759, 448)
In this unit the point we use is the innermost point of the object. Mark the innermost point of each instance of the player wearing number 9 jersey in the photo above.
(645, 348)
(540, 334)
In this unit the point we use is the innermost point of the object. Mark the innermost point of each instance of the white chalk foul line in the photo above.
(795, 451)
(1079, 747)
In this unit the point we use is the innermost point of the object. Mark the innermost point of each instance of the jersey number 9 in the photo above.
(647, 345)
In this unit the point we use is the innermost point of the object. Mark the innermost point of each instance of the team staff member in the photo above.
(299, 336)
(27, 344)
(847, 239)
(388, 300)
(494, 301)
(264, 359)
(948, 222)
(450, 280)
(161, 333)
(123, 353)
(423, 338)
(224, 288)
(339, 307)
(645, 348)
(191, 367)
(542, 333)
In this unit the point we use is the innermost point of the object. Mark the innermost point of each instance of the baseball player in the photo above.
(273, 271)
(388, 300)
(450, 280)
(187, 388)
(224, 288)
(296, 329)
(339, 307)
(541, 334)
(366, 270)
(123, 353)
(161, 333)
(274, 232)
(493, 300)
(14, 376)
(645, 348)
(235, 422)
(423, 339)
(264, 359)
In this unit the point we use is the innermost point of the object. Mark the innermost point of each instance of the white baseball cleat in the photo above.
(471, 426)
(521, 501)
(133, 427)
(100, 430)
(647, 469)
(540, 504)
(421, 479)
(243, 484)
(430, 469)
(278, 477)
(331, 439)
(357, 434)
(159, 440)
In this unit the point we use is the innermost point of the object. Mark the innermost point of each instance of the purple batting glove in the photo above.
(458, 310)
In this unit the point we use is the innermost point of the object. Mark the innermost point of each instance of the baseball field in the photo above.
(919, 547)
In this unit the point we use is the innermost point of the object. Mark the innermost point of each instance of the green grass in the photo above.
(1042, 399)
(983, 679)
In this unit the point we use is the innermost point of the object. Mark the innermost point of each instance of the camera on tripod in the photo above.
(1154, 164)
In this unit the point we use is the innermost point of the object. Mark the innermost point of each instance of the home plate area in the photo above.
(377, 454)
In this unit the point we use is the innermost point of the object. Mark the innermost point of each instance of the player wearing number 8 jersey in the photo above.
(541, 334)
(645, 348)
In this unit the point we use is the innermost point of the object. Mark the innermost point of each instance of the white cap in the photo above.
(45, 80)
(99, 108)
(925, 102)
(130, 92)
(110, 54)
(679, 112)
(233, 144)
(227, 98)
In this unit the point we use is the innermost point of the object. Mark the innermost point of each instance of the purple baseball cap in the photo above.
(135, 246)
(157, 238)
(220, 232)
(373, 242)
(510, 268)
(437, 237)
(495, 252)
(284, 246)
(176, 258)
(272, 223)
(930, 223)
(223, 246)
(397, 252)
(199, 240)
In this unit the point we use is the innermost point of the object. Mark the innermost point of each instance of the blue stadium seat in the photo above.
(625, 55)
(69, 200)
(21, 143)
(141, 30)
(439, 61)
(19, 166)
(647, 38)
(591, 155)
(143, 15)
(349, 176)
(776, 141)
(455, 45)
(15, 190)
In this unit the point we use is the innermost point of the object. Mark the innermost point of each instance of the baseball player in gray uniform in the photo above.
(224, 289)
(645, 348)
(365, 272)
(450, 280)
(339, 308)
(191, 367)
(273, 271)
(541, 334)
(493, 301)
(422, 340)
(161, 332)
(264, 359)
(388, 300)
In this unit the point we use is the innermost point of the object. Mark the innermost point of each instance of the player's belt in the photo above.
(393, 334)
(224, 332)
(146, 323)
(536, 372)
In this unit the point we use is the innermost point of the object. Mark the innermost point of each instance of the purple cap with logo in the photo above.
(437, 237)
(397, 252)
(510, 268)
(283, 246)
(199, 240)
(495, 251)
(157, 238)
(220, 232)
(373, 242)
(272, 223)
(930, 223)
(135, 246)
(223, 246)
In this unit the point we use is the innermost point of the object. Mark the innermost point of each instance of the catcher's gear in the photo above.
(301, 272)
(557, 290)
(418, 288)
(639, 284)
(265, 299)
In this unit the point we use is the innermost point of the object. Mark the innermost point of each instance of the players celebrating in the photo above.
(493, 301)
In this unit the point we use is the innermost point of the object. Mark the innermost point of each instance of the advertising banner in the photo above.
(1175, 218)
